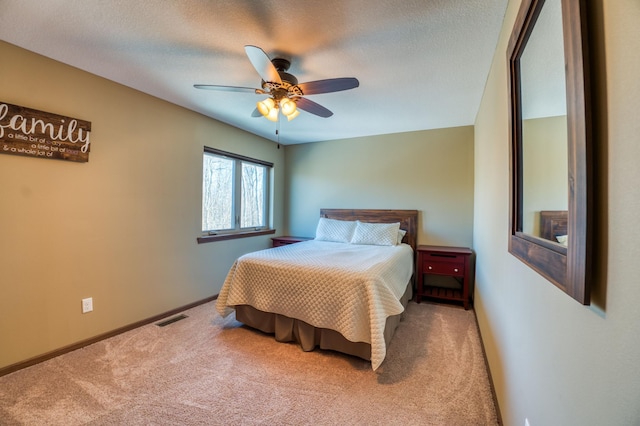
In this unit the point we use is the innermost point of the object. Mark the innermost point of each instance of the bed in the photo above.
(332, 294)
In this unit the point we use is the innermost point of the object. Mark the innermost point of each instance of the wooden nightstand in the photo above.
(284, 241)
(445, 273)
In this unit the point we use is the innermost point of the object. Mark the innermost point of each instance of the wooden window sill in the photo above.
(236, 235)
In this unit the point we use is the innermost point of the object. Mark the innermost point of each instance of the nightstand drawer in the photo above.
(444, 268)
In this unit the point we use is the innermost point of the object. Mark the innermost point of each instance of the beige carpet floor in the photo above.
(205, 370)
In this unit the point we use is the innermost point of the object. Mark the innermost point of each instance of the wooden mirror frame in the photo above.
(567, 268)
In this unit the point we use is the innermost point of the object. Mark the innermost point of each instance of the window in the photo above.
(235, 194)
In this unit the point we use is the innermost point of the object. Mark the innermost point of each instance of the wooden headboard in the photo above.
(408, 219)
(552, 224)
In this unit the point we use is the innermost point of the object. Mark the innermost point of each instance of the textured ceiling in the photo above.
(422, 64)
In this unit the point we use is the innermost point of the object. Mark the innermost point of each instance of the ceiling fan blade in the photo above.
(262, 64)
(229, 88)
(313, 108)
(328, 86)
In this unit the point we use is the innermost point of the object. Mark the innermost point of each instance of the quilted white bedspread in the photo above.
(344, 287)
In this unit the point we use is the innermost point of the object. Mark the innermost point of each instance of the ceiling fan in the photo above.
(285, 94)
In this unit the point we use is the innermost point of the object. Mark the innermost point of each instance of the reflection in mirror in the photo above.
(544, 169)
(544, 120)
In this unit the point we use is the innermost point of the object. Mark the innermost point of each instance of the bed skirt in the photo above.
(309, 337)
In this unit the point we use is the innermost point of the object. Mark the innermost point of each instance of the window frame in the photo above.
(237, 231)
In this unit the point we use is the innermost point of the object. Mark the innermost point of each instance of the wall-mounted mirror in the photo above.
(551, 143)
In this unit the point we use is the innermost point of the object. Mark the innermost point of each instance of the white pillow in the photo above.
(339, 231)
(563, 239)
(378, 234)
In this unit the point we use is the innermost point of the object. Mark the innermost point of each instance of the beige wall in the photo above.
(553, 360)
(121, 228)
(429, 171)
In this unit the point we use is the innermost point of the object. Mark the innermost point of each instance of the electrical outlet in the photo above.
(87, 305)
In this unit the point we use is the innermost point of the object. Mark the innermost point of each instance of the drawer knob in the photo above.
(430, 267)
(455, 270)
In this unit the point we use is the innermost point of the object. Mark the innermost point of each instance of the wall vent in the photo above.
(171, 320)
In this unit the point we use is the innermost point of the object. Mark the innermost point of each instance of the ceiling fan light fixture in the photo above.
(266, 106)
(270, 108)
(293, 115)
(272, 115)
(287, 106)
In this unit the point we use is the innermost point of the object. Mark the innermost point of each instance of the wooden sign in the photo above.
(32, 133)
